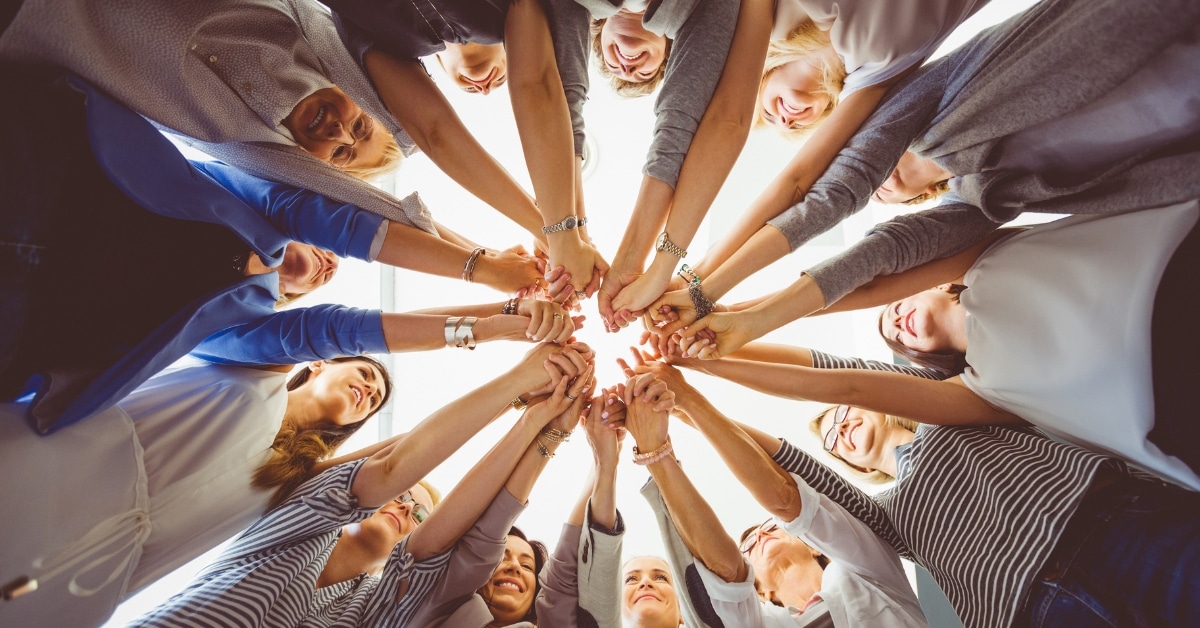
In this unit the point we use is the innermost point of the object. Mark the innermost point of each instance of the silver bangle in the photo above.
(451, 324)
(463, 336)
(468, 272)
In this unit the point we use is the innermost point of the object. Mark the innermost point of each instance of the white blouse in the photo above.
(1058, 329)
(877, 39)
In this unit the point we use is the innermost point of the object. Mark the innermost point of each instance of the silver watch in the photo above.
(566, 224)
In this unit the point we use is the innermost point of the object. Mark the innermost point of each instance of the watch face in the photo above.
(569, 222)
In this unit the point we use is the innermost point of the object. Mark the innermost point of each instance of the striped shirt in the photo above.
(980, 508)
(268, 576)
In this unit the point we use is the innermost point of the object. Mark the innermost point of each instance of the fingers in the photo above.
(597, 274)
(625, 368)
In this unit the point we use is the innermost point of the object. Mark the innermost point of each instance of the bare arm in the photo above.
(427, 116)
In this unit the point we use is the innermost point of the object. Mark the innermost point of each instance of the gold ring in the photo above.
(558, 315)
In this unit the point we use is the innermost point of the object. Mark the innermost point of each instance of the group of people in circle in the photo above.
(159, 398)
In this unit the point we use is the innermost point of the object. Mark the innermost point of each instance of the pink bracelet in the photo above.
(653, 456)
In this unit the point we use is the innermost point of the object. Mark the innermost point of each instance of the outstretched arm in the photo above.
(713, 150)
(419, 106)
(695, 520)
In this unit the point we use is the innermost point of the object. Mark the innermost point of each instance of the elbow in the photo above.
(783, 502)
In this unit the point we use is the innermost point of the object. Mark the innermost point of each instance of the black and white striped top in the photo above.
(980, 508)
(268, 576)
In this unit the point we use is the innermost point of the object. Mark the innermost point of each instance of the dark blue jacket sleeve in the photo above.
(299, 214)
(300, 335)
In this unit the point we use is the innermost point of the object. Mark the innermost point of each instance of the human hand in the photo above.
(548, 321)
(581, 261)
(647, 402)
(646, 363)
(559, 289)
(551, 360)
(729, 331)
(672, 311)
(565, 395)
(511, 271)
(614, 282)
(569, 418)
(604, 439)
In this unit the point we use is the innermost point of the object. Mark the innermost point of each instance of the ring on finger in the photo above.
(572, 398)
(558, 315)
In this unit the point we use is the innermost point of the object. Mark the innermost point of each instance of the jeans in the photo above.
(1130, 557)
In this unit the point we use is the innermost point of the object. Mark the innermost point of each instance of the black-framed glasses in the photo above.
(831, 437)
(751, 540)
(416, 510)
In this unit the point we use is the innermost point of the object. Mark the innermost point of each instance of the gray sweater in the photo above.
(1035, 68)
(701, 32)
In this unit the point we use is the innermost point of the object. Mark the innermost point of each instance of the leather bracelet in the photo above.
(703, 305)
(665, 244)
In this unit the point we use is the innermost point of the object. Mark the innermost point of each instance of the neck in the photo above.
(805, 579)
(299, 413)
(255, 266)
(896, 437)
(347, 561)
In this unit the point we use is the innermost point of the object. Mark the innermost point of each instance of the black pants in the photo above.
(1175, 355)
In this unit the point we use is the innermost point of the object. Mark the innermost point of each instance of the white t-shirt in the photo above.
(877, 39)
(864, 584)
(1058, 328)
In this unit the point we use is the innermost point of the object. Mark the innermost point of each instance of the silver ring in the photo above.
(558, 315)
(580, 294)
(571, 398)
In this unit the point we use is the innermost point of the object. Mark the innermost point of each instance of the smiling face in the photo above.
(629, 51)
(331, 127)
(792, 95)
(305, 268)
(475, 68)
(913, 178)
(648, 595)
(932, 321)
(783, 566)
(343, 392)
(860, 438)
(509, 593)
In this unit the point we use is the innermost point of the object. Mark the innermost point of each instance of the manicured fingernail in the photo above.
(603, 415)
(609, 403)
(585, 390)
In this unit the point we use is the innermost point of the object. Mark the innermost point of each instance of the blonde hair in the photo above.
(627, 89)
(388, 162)
(434, 495)
(876, 476)
(806, 42)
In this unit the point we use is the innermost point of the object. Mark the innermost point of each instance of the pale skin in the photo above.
(648, 597)
(512, 464)
(719, 139)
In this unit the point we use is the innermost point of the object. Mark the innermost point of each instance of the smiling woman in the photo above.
(514, 584)
(649, 599)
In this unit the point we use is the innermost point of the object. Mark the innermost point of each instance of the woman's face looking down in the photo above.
(475, 68)
(509, 593)
(305, 268)
(792, 96)
(860, 438)
(912, 177)
(332, 128)
(648, 595)
(395, 520)
(631, 52)
(932, 321)
(775, 555)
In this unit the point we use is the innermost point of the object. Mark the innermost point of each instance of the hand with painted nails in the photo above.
(648, 402)
(604, 440)
(548, 321)
(577, 393)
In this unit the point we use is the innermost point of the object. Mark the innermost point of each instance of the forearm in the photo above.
(400, 465)
(431, 121)
(763, 377)
(421, 251)
(801, 298)
(482, 310)
(496, 471)
(579, 510)
(772, 487)
(778, 196)
(426, 332)
(773, 353)
(647, 221)
(764, 248)
(698, 525)
(604, 495)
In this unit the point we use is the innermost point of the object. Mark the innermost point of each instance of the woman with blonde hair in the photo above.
(649, 598)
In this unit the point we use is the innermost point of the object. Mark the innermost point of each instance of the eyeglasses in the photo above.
(416, 510)
(752, 539)
(831, 437)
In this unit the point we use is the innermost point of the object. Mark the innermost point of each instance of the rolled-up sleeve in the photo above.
(313, 333)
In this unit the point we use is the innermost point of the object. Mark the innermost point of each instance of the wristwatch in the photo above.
(566, 224)
(665, 244)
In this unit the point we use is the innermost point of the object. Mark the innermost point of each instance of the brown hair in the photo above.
(875, 476)
(806, 41)
(939, 188)
(388, 162)
(627, 89)
(296, 450)
(949, 362)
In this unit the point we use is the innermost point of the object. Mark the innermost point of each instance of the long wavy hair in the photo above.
(806, 42)
(297, 450)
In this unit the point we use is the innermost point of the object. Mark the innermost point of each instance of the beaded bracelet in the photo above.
(511, 306)
(468, 273)
(543, 450)
(653, 456)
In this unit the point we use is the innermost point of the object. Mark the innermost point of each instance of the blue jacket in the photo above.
(151, 171)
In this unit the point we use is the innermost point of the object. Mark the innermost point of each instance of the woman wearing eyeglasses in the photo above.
(1016, 528)
(812, 560)
(338, 550)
